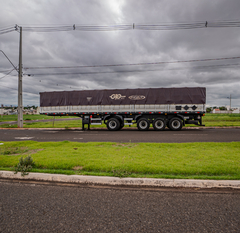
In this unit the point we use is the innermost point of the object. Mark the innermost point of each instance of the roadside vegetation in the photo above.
(29, 117)
(153, 160)
(210, 120)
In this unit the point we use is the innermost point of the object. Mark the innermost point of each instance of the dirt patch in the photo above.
(129, 145)
(78, 168)
(28, 152)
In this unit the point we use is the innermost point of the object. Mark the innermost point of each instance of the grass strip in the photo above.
(156, 160)
(28, 117)
(210, 120)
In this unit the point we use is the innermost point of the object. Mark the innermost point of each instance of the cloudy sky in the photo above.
(56, 60)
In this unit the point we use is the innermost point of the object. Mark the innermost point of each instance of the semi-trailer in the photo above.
(159, 107)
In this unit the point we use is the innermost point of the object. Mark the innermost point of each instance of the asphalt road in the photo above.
(125, 135)
(46, 208)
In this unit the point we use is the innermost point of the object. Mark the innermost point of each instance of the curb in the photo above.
(115, 181)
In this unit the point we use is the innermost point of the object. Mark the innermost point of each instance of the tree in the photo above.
(208, 110)
(222, 108)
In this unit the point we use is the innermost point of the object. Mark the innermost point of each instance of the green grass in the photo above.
(29, 117)
(221, 120)
(164, 160)
(210, 120)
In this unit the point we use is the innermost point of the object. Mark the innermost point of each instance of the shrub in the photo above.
(24, 165)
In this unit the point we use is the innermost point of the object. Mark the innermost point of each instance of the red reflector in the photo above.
(139, 112)
(115, 113)
(74, 112)
(91, 116)
(159, 112)
(105, 112)
(92, 112)
(61, 113)
(53, 113)
(198, 112)
(45, 113)
(175, 112)
(185, 112)
(125, 112)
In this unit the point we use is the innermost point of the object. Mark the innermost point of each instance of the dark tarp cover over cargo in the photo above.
(182, 95)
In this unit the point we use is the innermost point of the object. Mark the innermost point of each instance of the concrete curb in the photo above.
(115, 181)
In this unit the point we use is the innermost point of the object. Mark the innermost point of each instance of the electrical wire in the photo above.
(79, 28)
(163, 26)
(3, 71)
(7, 30)
(17, 90)
(179, 26)
(134, 64)
(116, 27)
(7, 74)
(138, 71)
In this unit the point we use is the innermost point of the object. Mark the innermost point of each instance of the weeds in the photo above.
(13, 150)
(120, 173)
(24, 165)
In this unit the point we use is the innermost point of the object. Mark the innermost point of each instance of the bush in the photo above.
(24, 165)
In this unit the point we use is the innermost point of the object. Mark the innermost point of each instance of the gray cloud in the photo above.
(76, 48)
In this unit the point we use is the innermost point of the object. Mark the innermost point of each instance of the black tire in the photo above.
(159, 124)
(121, 126)
(143, 124)
(175, 124)
(113, 124)
(168, 124)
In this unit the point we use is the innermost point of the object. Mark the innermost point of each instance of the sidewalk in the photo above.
(128, 182)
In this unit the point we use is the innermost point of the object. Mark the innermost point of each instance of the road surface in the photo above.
(125, 135)
(47, 208)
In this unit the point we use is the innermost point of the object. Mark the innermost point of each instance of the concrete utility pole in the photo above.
(20, 103)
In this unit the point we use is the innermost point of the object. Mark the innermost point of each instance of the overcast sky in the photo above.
(133, 46)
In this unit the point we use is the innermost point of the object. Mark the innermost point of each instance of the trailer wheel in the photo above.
(175, 124)
(113, 124)
(143, 124)
(121, 126)
(167, 124)
(159, 124)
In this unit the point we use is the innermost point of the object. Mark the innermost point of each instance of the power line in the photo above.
(7, 30)
(3, 71)
(17, 90)
(139, 71)
(134, 64)
(178, 26)
(134, 26)
(7, 74)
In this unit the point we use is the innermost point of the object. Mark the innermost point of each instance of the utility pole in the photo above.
(20, 103)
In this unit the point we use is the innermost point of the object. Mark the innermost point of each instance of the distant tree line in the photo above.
(15, 107)
(209, 109)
